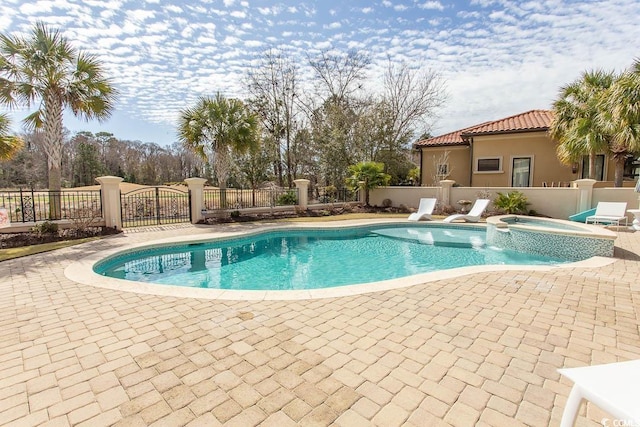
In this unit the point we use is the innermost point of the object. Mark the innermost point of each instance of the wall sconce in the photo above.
(574, 168)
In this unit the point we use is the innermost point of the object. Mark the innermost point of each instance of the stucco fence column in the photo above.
(110, 194)
(585, 187)
(303, 192)
(446, 185)
(196, 188)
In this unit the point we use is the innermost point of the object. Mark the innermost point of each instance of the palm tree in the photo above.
(43, 69)
(220, 125)
(9, 144)
(367, 176)
(576, 123)
(621, 117)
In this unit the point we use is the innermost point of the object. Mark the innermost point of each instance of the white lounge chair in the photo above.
(609, 213)
(425, 209)
(612, 387)
(474, 214)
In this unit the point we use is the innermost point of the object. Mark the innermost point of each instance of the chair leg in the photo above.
(571, 408)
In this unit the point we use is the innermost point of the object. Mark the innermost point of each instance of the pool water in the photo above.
(312, 259)
(541, 223)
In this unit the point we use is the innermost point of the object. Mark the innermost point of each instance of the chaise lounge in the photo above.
(609, 213)
(473, 215)
(425, 209)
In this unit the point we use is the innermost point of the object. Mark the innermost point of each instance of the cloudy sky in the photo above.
(497, 57)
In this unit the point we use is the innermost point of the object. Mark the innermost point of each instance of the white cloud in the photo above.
(238, 14)
(434, 5)
(367, 10)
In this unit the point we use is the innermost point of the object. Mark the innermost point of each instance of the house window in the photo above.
(489, 164)
(521, 172)
(599, 167)
(443, 169)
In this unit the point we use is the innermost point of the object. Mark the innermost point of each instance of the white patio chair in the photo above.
(609, 213)
(612, 387)
(474, 214)
(425, 209)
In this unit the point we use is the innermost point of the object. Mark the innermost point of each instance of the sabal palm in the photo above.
(621, 117)
(576, 124)
(221, 125)
(44, 70)
(9, 144)
(367, 176)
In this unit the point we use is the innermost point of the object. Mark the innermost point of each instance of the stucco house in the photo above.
(515, 151)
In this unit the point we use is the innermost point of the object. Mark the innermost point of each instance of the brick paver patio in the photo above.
(476, 350)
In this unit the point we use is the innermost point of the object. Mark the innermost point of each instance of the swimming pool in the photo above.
(314, 258)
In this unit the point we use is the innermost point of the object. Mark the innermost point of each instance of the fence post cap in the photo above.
(109, 179)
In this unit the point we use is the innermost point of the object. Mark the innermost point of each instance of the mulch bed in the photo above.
(17, 240)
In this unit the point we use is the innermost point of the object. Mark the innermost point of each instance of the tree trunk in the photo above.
(222, 166)
(619, 171)
(52, 124)
(592, 165)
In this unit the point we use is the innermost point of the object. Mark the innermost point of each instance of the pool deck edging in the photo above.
(82, 272)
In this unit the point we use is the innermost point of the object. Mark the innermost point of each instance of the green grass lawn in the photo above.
(6, 254)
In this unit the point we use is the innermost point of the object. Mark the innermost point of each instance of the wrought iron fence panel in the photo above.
(236, 198)
(317, 195)
(40, 205)
(155, 206)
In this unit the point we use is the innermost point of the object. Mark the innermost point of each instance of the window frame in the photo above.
(530, 179)
(477, 164)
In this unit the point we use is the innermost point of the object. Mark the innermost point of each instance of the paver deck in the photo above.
(480, 350)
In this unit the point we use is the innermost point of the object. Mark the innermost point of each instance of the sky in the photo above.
(497, 58)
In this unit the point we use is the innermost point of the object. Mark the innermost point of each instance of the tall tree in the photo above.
(273, 85)
(339, 76)
(44, 69)
(577, 124)
(218, 125)
(411, 97)
(621, 117)
(339, 79)
(9, 144)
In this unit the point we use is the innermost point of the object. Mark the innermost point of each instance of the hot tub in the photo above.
(550, 237)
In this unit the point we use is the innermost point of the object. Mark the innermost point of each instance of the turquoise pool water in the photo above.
(312, 259)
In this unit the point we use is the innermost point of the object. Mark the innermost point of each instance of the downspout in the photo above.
(470, 141)
(421, 168)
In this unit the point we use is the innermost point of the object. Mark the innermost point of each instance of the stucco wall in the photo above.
(459, 168)
(407, 196)
(554, 202)
(545, 165)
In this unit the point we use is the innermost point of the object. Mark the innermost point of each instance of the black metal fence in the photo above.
(155, 206)
(235, 198)
(44, 205)
(331, 195)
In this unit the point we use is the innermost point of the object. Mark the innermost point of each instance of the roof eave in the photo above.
(499, 132)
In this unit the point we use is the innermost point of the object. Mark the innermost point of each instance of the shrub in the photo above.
(512, 203)
(235, 214)
(386, 203)
(46, 227)
(288, 198)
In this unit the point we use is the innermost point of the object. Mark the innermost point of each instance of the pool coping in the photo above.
(82, 272)
(578, 229)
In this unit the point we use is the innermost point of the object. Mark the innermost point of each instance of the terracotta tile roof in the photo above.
(534, 120)
(530, 121)
(451, 138)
